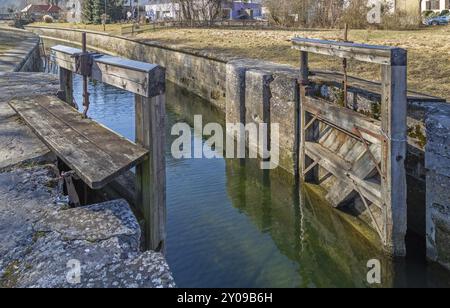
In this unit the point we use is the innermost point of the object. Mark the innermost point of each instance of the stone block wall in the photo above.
(437, 161)
(25, 55)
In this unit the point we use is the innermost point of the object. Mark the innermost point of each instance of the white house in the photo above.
(74, 10)
(162, 9)
(435, 5)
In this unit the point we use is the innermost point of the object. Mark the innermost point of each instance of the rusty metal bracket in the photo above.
(68, 177)
(84, 62)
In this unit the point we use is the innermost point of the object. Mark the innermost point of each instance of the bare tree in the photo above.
(200, 10)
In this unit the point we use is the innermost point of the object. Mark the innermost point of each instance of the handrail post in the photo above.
(151, 174)
(394, 127)
(66, 86)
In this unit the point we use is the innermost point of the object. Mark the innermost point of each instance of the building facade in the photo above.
(168, 9)
(418, 6)
(435, 5)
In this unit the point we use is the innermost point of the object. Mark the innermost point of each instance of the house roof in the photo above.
(37, 8)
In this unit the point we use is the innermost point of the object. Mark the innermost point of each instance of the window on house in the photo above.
(435, 4)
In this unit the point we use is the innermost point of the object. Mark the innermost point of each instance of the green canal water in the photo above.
(232, 225)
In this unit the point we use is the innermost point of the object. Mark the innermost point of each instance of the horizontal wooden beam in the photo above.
(144, 79)
(344, 119)
(367, 53)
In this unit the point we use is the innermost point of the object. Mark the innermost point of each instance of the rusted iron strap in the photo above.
(71, 191)
(377, 227)
(372, 157)
(380, 137)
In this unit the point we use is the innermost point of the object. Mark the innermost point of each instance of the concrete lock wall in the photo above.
(253, 91)
(438, 186)
(25, 56)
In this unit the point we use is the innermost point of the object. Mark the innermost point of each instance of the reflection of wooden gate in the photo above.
(364, 156)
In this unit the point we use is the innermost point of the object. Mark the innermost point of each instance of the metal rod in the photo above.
(345, 66)
(372, 156)
(86, 102)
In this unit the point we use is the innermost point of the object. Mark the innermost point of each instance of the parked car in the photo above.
(438, 20)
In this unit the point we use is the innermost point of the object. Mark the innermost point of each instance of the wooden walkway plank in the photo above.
(94, 152)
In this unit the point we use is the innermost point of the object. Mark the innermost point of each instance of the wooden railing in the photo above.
(147, 82)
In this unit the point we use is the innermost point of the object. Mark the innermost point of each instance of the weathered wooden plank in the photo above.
(365, 88)
(95, 153)
(362, 168)
(66, 86)
(367, 53)
(151, 174)
(343, 118)
(310, 133)
(140, 78)
(394, 125)
(341, 169)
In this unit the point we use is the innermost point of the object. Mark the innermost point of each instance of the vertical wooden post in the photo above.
(394, 126)
(66, 86)
(312, 132)
(151, 174)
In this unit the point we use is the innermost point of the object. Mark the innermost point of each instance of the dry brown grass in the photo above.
(110, 28)
(428, 50)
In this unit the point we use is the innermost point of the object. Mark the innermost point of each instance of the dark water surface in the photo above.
(231, 225)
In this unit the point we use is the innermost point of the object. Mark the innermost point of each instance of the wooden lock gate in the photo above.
(364, 155)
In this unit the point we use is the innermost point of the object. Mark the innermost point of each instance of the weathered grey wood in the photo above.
(137, 77)
(361, 52)
(362, 168)
(393, 123)
(365, 88)
(151, 174)
(309, 131)
(342, 170)
(95, 153)
(66, 86)
(343, 118)
(304, 68)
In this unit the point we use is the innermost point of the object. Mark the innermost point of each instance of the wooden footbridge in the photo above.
(95, 154)
(352, 154)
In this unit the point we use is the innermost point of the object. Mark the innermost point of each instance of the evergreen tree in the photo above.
(87, 12)
(97, 11)
(93, 11)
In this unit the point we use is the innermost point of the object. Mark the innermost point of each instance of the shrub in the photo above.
(428, 14)
(48, 19)
(401, 21)
(445, 12)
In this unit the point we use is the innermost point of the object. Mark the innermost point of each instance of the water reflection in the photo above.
(232, 225)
